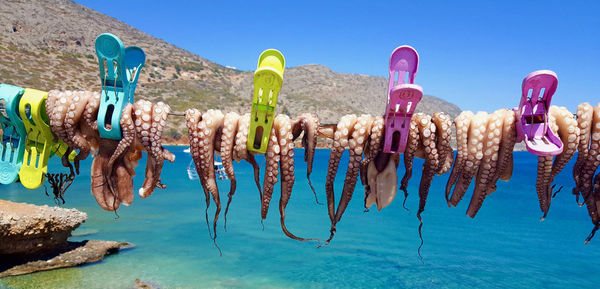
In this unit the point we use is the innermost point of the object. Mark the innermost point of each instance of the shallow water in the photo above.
(504, 246)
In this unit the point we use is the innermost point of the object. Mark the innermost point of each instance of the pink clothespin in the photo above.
(532, 114)
(403, 97)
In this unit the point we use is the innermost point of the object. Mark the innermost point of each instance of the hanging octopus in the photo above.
(71, 114)
(73, 119)
(484, 152)
(230, 127)
(351, 132)
(308, 124)
(588, 160)
(368, 167)
(150, 120)
(563, 124)
(487, 168)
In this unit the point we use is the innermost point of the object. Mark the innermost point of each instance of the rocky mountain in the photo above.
(49, 44)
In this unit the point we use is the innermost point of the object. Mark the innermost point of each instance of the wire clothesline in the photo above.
(174, 113)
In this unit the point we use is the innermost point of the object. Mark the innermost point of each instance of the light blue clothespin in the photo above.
(13, 132)
(119, 78)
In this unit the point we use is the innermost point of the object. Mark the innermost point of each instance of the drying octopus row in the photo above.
(73, 119)
(485, 142)
(227, 134)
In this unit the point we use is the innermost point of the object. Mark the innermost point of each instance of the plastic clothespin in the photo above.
(532, 114)
(268, 79)
(119, 76)
(12, 147)
(39, 144)
(403, 97)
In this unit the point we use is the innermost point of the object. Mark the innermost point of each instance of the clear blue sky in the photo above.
(472, 53)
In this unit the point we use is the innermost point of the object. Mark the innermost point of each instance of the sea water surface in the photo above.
(506, 245)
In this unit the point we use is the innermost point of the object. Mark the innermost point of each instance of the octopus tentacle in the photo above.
(74, 114)
(309, 124)
(427, 139)
(597, 198)
(443, 125)
(462, 123)
(504, 165)
(409, 155)
(57, 104)
(585, 113)
(158, 153)
(105, 197)
(143, 124)
(487, 168)
(89, 125)
(124, 181)
(569, 134)
(230, 126)
(561, 122)
(128, 132)
(360, 132)
(477, 131)
(50, 105)
(341, 135)
(192, 118)
(543, 189)
(240, 150)
(283, 129)
(586, 178)
(271, 172)
(340, 141)
(100, 189)
(256, 168)
(427, 133)
(211, 121)
(56, 116)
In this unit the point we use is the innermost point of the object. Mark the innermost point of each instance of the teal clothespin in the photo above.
(13, 133)
(119, 78)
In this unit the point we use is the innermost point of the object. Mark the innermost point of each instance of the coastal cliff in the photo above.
(34, 238)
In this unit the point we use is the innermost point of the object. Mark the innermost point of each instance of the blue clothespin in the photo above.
(119, 78)
(12, 147)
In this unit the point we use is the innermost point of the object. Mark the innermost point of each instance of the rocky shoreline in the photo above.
(34, 238)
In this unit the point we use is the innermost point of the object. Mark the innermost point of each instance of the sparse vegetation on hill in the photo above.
(49, 44)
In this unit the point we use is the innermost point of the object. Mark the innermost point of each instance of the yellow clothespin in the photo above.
(268, 79)
(40, 143)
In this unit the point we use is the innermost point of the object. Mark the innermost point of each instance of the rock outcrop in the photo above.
(139, 284)
(34, 238)
(73, 254)
(28, 229)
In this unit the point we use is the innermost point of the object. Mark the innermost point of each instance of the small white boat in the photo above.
(191, 170)
(187, 150)
(219, 171)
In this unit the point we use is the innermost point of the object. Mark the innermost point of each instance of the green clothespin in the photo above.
(40, 142)
(13, 132)
(268, 79)
(119, 78)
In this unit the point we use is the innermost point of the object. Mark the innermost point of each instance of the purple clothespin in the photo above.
(532, 114)
(403, 97)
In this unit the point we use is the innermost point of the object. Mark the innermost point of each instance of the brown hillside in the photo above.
(49, 44)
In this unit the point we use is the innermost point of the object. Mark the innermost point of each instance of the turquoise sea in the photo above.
(505, 246)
